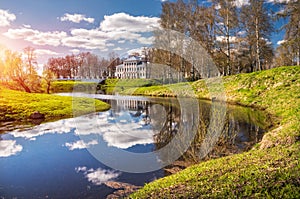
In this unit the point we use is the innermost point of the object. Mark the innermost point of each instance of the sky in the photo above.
(56, 28)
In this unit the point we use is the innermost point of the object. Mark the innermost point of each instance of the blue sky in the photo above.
(60, 27)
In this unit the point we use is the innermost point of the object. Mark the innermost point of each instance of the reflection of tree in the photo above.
(238, 133)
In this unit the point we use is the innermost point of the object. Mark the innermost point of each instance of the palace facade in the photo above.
(134, 67)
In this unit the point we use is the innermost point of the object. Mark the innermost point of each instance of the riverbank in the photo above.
(17, 106)
(271, 169)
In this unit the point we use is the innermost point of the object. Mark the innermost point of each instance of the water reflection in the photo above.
(52, 159)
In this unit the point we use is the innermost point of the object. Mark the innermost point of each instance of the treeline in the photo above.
(83, 65)
(236, 37)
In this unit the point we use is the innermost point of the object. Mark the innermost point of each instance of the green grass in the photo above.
(70, 86)
(18, 106)
(113, 86)
(269, 170)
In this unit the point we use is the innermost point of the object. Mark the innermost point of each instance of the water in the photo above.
(93, 156)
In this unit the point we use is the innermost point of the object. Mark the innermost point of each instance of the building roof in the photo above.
(133, 58)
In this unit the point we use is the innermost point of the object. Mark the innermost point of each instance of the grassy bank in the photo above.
(120, 85)
(70, 86)
(18, 106)
(271, 169)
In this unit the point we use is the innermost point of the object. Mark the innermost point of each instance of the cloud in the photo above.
(240, 3)
(9, 148)
(126, 22)
(279, 1)
(59, 127)
(80, 144)
(281, 42)
(120, 27)
(45, 52)
(6, 17)
(118, 49)
(98, 176)
(75, 51)
(26, 26)
(223, 39)
(115, 131)
(121, 41)
(76, 18)
(146, 40)
(36, 37)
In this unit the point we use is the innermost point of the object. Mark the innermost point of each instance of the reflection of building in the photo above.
(132, 68)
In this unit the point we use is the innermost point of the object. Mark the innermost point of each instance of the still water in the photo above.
(100, 155)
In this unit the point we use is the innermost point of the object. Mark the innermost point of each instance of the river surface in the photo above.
(114, 152)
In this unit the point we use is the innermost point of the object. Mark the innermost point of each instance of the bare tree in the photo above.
(292, 35)
(226, 23)
(16, 71)
(257, 24)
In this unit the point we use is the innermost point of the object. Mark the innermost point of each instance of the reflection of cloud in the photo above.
(80, 144)
(115, 131)
(113, 128)
(9, 147)
(98, 176)
(60, 127)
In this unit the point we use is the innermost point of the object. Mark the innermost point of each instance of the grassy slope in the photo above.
(271, 169)
(68, 86)
(17, 105)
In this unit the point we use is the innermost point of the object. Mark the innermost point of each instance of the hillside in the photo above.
(269, 170)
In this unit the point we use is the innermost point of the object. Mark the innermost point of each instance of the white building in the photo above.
(132, 68)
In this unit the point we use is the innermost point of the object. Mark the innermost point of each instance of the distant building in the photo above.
(134, 67)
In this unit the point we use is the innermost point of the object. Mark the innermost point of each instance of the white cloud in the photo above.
(146, 40)
(240, 3)
(110, 44)
(80, 144)
(279, 1)
(6, 17)
(9, 148)
(121, 41)
(83, 42)
(224, 39)
(76, 18)
(75, 51)
(118, 49)
(281, 42)
(119, 27)
(26, 26)
(98, 176)
(45, 52)
(128, 23)
(59, 127)
(36, 37)
(21, 33)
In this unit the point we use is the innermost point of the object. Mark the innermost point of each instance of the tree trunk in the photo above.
(48, 87)
(298, 57)
(228, 45)
(258, 65)
(26, 88)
